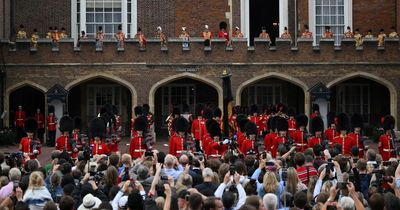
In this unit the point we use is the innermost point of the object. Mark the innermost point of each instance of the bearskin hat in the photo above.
(388, 122)
(146, 108)
(317, 124)
(315, 107)
(51, 109)
(281, 124)
(213, 128)
(251, 128)
(357, 121)
(181, 125)
(217, 112)
(77, 123)
(301, 120)
(239, 118)
(207, 113)
(138, 110)
(331, 118)
(185, 108)
(198, 110)
(290, 112)
(176, 111)
(253, 109)
(30, 125)
(223, 25)
(66, 124)
(141, 123)
(242, 124)
(343, 122)
(272, 123)
(108, 108)
(115, 110)
(97, 127)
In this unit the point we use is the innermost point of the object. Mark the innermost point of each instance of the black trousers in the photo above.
(40, 133)
(51, 141)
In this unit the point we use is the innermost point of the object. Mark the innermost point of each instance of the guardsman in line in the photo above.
(300, 137)
(357, 126)
(137, 147)
(346, 142)
(29, 145)
(331, 131)
(97, 135)
(51, 127)
(317, 129)
(387, 140)
(20, 121)
(39, 118)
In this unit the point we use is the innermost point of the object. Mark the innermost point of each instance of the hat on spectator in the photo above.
(89, 202)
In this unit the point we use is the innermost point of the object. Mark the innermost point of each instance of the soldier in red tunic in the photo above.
(65, 142)
(223, 33)
(176, 112)
(181, 142)
(270, 137)
(317, 129)
(251, 137)
(207, 36)
(315, 111)
(387, 140)
(137, 147)
(51, 127)
(345, 141)
(139, 111)
(19, 122)
(97, 134)
(300, 136)
(207, 115)
(242, 121)
(292, 126)
(30, 146)
(39, 117)
(254, 117)
(196, 126)
(331, 132)
(77, 137)
(357, 125)
(214, 148)
(282, 136)
(263, 123)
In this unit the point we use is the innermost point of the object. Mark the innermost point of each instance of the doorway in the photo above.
(264, 13)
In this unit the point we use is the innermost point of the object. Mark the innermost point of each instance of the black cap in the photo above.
(343, 122)
(30, 125)
(97, 127)
(66, 124)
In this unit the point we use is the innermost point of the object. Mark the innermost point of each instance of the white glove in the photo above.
(226, 141)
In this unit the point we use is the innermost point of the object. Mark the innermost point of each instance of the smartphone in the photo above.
(232, 169)
(387, 179)
(341, 185)
(387, 163)
(164, 178)
(329, 207)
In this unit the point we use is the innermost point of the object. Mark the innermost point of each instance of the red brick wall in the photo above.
(154, 13)
(194, 14)
(374, 14)
(302, 13)
(41, 14)
(236, 14)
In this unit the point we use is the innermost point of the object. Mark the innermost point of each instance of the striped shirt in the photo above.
(302, 173)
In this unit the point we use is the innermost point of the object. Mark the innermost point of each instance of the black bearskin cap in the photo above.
(115, 110)
(301, 120)
(207, 113)
(138, 110)
(51, 109)
(141, 123)
(281, 108)
(281, 124)
(66, 124)
(242, 124)
(97, 127)
(181, 125)
(317, 124)
(176, 111)
(331, 118)
(223, 25)
(217, 112)
(343, 122)
(290, 112)
(198, 110)
(30, 125)
(388, 123)
(272, 123)
(251, 128)
(357, 121)
(77, 123)
(315, 107)
(213, 128)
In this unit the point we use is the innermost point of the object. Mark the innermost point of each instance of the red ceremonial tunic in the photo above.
(62, 143)
(51, 123)
(26, 147)
(247, 145)
(99, 149)
(278, 140)
(386, 148)
(298, 139)
(19, 119)
(256, 120)
(269, 140)
(196, 129)
(240, 140)
(136, 147)
(176, 145)
(292, 127)
(330, 134)
(313, 141)
(214, 150)
(358, 143)
(347, 143)
(263, 123)
(39, 118)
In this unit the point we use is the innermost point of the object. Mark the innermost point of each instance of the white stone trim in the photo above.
(384, 82)
(134, 25)
(82, 13)
(74, 21)
(284, 77)
(124, 16)
(283, 15)
(172, 78)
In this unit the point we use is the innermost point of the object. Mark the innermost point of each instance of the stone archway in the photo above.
(280, 76)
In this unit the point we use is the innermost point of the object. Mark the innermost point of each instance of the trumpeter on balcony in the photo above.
(99, 38)
(237, 33)
(381, 38)
(34, 38)
(358, 37)
(307, 34)
(21, 32)
(328, 33)
(393, 33)
(348, 34)
(120, 36)
(162, 36)
(207, 36)
(185, 37)
(263, 34)
(141, 38)
(286, 34)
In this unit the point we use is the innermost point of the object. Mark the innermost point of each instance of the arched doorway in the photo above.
(86, 98)
(269, 91)
(177, 93)
(29, 97)
(361, 95)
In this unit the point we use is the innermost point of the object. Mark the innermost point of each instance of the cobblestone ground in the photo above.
(161, 145)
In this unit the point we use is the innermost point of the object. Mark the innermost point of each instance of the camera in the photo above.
(387, 179)
(148, 153)
(377, 171)
(190, 159)
(232, 169)
(164, 178)
(329, 167)
(264, 155)
(269, 163)
(284, 174)
(387, 163)
(341, 185)
(87, 152)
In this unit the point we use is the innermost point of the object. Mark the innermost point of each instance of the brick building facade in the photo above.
(365, 80)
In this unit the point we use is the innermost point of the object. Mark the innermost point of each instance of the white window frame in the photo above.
(245, 17)
(341, 89)
(82, 23)
(348, 16)
(96, 88)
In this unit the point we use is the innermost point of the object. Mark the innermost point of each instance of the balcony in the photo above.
(239, 54)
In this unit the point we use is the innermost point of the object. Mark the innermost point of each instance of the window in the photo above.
(177, 95)
(354, 98)
(262, 94)
(334, 13)
(88, 15)
(99, 95)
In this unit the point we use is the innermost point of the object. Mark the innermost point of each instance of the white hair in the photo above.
(169, 160)
(270, 201)
(347, 203)
(14, 174)
(207, 172)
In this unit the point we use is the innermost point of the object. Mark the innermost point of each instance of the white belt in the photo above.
(292, 129)
(388, 150)
(301, 145)
(215, 155)
(139, 150)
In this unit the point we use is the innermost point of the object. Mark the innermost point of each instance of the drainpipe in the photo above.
(295, 23)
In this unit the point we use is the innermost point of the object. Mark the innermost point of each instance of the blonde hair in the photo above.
(36, 180)
(292, 180)
(270, 182)
(126, 159)
(326, 187)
